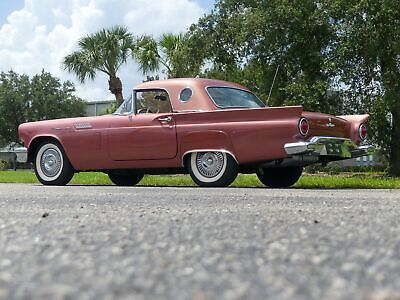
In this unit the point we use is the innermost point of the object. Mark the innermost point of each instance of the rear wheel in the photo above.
(212, 169)
(51, 164)
(279, 177)
(125, 178)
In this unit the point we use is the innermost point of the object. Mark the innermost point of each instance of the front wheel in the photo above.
(279, 177)
(212, 169)
(52, 166)
(125, 178)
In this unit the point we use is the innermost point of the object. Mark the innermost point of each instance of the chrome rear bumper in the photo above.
(329, 147)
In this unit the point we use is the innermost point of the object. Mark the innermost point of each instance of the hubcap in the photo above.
(51, 162)
(210, 164)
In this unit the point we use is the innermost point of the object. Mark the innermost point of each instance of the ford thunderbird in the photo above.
(210, 129)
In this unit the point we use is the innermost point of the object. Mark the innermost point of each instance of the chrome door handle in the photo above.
(165, 119)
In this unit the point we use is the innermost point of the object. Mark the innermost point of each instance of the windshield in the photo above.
(125, 107)
(226, 97)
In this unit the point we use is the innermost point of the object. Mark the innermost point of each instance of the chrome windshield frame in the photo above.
(132, 100)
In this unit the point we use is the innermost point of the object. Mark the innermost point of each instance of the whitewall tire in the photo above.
(52, 166)
(212, 168)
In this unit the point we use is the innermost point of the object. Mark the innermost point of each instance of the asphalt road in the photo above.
(80, 242)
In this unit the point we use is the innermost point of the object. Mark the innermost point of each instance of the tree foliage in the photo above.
(41, 97)
(251, 41)
(366, 57)
(104, 51)
(172, 54)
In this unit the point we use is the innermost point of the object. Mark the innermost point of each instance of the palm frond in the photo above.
(146, 53)
(104, 51)
(81, 64)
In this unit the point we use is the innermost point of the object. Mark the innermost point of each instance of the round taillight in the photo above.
(362, 132)
(303, 126)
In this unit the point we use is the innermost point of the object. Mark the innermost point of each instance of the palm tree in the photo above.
(104, 51)
(171, 53)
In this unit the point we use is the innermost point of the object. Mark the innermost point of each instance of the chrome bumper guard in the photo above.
(328, 147)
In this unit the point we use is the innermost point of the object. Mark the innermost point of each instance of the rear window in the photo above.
(226, 97)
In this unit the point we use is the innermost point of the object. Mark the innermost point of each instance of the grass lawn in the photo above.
(307, 181)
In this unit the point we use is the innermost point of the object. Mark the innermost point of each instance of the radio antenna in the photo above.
(273, 82)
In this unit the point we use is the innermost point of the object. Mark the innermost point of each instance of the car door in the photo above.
(148, 134)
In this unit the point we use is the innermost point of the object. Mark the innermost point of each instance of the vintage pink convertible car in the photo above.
(209, 128)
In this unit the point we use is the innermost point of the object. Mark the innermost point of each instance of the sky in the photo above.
(38, 34)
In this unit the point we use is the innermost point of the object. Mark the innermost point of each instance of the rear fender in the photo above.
(355, 122)
(212, 140)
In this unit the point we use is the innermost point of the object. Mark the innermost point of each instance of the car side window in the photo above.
(152, 102)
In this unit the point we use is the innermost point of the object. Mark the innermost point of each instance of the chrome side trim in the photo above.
(189, 111)
(328, 146)
(83, 125)
(207, 150)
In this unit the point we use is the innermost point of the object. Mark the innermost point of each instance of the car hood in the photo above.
(67, 123)
(28, 131)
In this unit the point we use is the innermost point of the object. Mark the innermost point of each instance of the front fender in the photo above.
(34, 141)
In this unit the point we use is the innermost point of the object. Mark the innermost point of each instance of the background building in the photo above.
(96, 108)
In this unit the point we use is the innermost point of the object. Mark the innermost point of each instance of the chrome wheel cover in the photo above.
(210, 164)
(51, 162)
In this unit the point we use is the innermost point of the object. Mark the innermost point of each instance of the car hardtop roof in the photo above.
(188, 82)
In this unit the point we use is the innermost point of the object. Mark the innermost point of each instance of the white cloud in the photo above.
(39, 35)
(20, 26)
(159, 17)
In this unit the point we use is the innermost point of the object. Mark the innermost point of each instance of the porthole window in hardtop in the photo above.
(152, 101)
(185, 94)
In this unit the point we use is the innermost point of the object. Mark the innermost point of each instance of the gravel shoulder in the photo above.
(95, 242)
